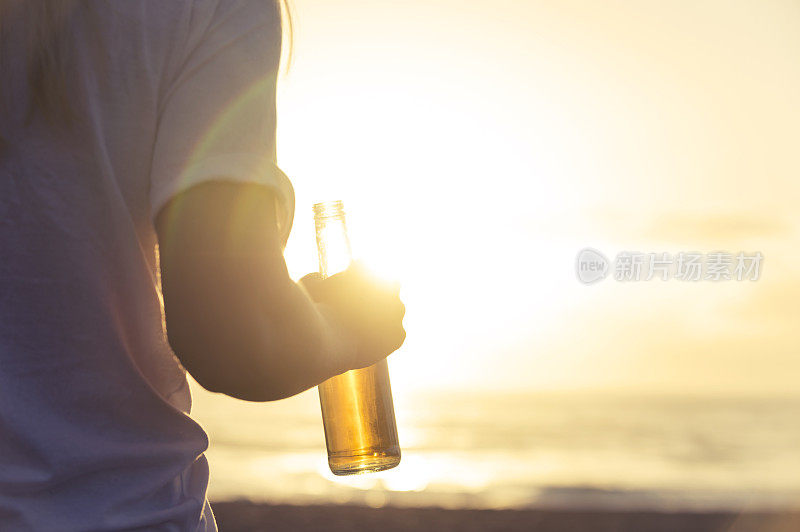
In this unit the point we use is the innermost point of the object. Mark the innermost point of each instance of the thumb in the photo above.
(312, 283)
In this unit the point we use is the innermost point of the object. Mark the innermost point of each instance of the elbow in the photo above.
(238, 390)
(253, 389)
(238, 379)
(234, 357)
(238, 373)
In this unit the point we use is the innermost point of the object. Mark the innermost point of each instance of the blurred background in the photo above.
(478, 147)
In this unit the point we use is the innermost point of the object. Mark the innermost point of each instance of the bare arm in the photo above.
(237, 321)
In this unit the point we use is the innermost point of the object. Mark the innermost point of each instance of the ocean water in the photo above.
(490, 450)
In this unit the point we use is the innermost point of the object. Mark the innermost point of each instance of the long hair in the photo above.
(45, 54)
(46, 46)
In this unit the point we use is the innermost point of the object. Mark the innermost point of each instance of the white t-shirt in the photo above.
(94, 425)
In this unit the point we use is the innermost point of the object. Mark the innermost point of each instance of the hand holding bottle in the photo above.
(369, 310)
(357, 406)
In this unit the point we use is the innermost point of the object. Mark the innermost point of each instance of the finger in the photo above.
(399, 339)
(358, 268)
(311, 283)
(393, 287)
(311, 277)
(386, 287)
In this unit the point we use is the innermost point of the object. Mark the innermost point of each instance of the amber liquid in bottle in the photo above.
(357, 407)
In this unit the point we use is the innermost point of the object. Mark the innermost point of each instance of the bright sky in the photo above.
(478, 146)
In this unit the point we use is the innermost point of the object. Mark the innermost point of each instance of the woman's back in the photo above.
(94, 426)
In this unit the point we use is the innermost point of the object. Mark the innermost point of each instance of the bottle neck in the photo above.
(333, 243)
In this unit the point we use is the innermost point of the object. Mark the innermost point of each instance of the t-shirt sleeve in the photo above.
(217, 119)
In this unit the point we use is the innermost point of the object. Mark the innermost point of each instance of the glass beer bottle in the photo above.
(357, 407)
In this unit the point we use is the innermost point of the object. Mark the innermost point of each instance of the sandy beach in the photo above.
(242, 516)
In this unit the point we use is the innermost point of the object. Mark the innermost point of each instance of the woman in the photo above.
(129, 127)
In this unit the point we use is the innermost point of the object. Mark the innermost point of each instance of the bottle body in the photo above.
(358, 416)
(357, 407)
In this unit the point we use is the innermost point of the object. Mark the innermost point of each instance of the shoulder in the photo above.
(220, 23)
(246, 12)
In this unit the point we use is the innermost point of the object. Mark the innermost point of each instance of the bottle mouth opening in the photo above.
(328, 209)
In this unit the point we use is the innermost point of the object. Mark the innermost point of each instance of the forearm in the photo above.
(303, 344)
(251, 332)
(235, 319)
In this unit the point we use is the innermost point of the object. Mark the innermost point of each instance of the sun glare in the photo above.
(438, 221)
